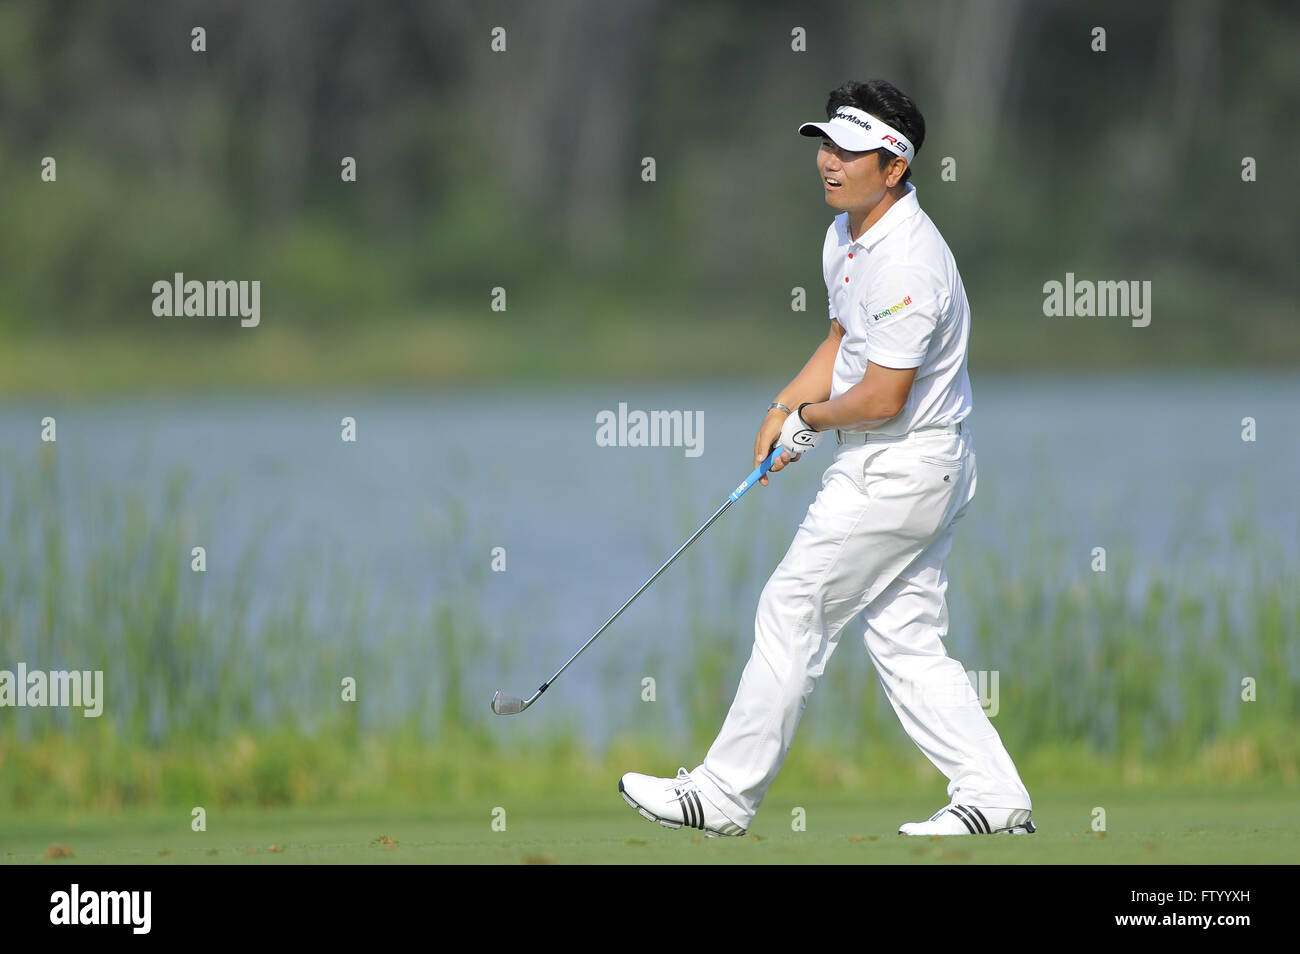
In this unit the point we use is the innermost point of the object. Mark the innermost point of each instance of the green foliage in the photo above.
(212, 700)
(523, 170)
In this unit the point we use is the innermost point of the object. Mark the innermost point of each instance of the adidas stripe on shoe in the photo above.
(675, 803)
(970, 820)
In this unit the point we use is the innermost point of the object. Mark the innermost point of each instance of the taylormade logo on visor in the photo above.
(853, 119)
(875, 132)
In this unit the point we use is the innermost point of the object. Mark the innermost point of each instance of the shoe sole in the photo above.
(668, 822)
(1028, 828)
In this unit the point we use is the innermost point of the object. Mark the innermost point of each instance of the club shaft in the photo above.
(757, 475)
(644, 586)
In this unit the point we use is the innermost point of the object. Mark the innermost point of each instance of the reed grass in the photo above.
(1134, 674)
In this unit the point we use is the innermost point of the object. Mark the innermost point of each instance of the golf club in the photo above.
(506, 704)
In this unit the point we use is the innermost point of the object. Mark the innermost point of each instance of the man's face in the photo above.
(851, 180)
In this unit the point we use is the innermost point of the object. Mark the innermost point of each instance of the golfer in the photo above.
(889, 388)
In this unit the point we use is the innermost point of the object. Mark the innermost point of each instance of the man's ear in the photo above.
(897, 167)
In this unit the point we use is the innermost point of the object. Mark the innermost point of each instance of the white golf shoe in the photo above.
(969, 820)
(675, 803)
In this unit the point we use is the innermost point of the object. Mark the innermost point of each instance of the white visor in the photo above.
(857, 131)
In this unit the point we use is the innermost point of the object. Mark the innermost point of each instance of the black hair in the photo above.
(884, 101)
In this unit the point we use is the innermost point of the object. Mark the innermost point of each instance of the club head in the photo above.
(505, 704)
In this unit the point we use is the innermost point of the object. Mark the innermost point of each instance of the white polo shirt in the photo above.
(898, 295)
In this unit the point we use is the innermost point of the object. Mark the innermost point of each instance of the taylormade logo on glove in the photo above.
(796, 435)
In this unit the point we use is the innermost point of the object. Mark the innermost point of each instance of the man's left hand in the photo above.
(796, 435)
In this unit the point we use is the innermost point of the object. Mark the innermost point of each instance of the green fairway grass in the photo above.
(1226, 826)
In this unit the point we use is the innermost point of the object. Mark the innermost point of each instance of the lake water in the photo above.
(436, 480)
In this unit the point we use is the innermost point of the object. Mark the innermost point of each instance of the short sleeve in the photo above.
(900, 314)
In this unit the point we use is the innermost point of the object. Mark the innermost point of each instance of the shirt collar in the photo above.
(899, 212)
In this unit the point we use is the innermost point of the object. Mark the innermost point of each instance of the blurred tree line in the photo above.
(522, 168)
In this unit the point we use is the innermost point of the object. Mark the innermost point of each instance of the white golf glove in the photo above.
(796, 435)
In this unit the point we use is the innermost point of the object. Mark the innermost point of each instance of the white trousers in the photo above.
(874, 541)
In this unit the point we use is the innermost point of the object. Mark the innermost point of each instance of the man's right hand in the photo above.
(768, 434)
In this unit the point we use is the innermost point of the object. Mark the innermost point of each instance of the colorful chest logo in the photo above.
(892, 308)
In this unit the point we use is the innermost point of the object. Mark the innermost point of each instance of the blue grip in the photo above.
(759, 471)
